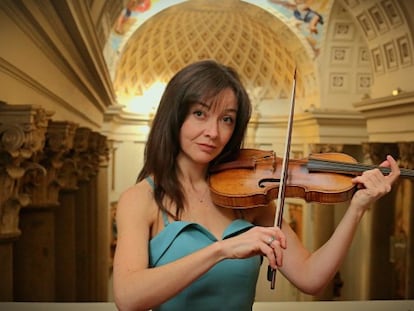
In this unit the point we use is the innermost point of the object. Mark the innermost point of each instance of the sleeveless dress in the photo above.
(229, 285)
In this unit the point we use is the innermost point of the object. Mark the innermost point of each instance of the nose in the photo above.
(212, 129)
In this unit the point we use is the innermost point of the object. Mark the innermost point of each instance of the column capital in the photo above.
(22, 138)
(59, 141)
(406, 150)
(322, 148)
(375, 153)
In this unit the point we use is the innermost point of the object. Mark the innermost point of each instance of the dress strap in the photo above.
(164, 213)
(150, 181)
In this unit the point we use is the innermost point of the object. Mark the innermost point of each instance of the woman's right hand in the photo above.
(266, 241)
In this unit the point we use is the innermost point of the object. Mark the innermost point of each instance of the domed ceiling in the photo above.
(260, 46)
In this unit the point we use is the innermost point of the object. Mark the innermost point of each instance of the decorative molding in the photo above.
(323, 148)
(387, 106)
(405, 54)
(341, 56)
(406, 151)
(364, 82)
(344, 31)
(378, 17)
(28, 81)
(86, 67)
(45, 187)
(375, 153)
(39, 157)
(391, 12)
(339, 82)
(390, 55)
(378, 60)
(366, 25)
(22, 138)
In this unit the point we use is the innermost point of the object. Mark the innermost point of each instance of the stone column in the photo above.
(90, 184)
(103, 221)
(91, 212)
(382, 215)
(402, 239)
(22, 136)
(59, 155)
(71, 251)
(83, 206)
(323, 216)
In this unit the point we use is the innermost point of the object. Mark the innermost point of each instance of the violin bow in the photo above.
(283, 177)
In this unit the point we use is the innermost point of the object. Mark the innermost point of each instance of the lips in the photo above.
(207, 147)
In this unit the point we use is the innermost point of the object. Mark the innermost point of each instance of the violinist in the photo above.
(176, 249)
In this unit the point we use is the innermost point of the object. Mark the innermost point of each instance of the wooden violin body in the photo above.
(252, 180)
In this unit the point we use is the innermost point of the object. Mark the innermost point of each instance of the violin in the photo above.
(253, 179)
(257, 177)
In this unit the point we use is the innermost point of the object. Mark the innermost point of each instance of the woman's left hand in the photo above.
(373, 184)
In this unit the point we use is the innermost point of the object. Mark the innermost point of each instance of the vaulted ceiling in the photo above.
(233, 32)
(263, 41)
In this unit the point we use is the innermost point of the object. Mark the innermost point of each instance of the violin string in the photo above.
(340, 167)
(329, 165)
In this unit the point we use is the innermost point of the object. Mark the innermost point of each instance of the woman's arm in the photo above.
(311, 272)
(138, 287)
(135, 285)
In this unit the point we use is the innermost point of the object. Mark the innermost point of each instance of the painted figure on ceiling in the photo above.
(131, 6)
(304, 14)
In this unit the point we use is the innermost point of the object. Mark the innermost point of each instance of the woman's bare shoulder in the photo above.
(136, 199)
(141, 189)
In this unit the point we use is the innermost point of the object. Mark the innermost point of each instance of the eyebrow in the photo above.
(231, 110)
(208, 106)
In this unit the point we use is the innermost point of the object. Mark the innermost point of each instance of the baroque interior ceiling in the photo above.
(233, 32)
(264, 40)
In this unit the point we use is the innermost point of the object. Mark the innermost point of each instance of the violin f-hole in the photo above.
(262, 182)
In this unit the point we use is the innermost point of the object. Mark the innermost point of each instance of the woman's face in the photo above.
(208, 127)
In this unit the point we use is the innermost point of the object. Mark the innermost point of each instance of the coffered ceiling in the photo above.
(265, 42)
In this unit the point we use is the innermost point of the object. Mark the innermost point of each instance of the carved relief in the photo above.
(103, 150)
(44, 188)
(378, 60)
(339, 82)
(364, 82)
(375, 153)
(392, 13)
(89, 151)
(39, 157)
(405, 57)
(390, 55)
(366, 25)
(322, 148)
(343, 31)
(406, 150)
(379, 20)
(403, 227)
(22, 138)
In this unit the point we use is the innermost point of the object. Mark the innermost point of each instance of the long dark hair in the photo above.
(194, 83)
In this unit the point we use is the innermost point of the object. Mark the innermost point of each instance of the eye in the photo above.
(198, 113)
(228, 119)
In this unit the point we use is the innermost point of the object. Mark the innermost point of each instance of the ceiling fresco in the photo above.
(346, 46)
(264, 40)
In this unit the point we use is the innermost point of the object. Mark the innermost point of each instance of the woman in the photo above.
(176, 250)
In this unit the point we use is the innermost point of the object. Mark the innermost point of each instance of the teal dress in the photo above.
(229, 285)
